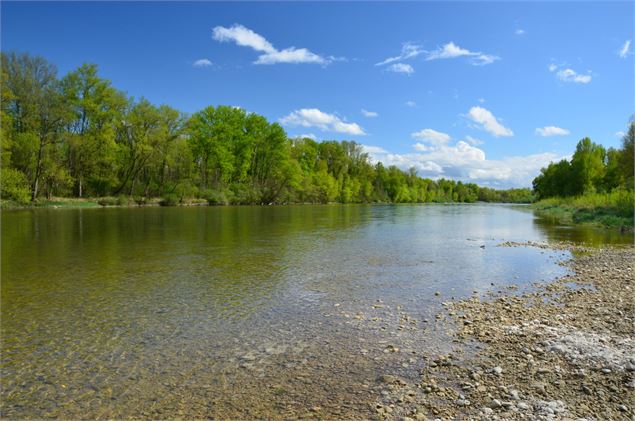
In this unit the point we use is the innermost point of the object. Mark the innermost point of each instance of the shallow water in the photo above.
(238, 312)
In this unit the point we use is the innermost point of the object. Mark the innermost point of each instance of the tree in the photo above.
(38, 111)
(587, 166)
(91, 132)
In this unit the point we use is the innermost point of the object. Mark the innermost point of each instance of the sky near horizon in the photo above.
(484, 92)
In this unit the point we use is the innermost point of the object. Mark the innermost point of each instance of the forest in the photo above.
(78, 136)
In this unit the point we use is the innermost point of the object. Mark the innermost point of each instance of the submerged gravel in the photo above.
(563, 351)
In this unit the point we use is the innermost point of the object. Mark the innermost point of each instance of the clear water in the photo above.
(242, 312)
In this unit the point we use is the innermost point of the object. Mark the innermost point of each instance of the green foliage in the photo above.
(78, 136)
(14, 186)
(170, 200)
(592, 169)
(611, 209)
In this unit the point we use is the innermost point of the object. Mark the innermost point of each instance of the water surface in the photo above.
(238, 312)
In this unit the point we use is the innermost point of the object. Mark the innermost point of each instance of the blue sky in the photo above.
(487, 92)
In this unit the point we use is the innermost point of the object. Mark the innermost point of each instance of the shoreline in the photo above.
(565, 350)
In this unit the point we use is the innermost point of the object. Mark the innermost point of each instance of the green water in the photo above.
(242, 312)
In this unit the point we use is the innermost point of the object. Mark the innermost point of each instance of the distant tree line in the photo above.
(78, 136)
(592, 169)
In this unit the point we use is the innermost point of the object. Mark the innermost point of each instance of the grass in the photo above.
(614, 209)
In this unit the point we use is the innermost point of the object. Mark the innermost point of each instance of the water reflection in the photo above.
(144, 312)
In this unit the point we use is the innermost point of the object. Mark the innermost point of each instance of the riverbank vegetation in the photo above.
(595, 186)
(79, 137)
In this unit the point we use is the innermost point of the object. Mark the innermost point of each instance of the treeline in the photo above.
(77, 136)
(592, 169)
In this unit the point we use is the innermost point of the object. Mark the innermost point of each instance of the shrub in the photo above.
(169, 200)
(216, 198)
(14, 186)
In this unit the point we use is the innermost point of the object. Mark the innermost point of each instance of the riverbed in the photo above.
(250, 312)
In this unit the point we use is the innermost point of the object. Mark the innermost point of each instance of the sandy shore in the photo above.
(563, 351)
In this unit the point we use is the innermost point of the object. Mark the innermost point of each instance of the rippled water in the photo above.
(241, 311)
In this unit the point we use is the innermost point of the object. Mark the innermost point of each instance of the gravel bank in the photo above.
(563, 351)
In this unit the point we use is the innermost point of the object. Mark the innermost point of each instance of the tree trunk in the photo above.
(38, 171)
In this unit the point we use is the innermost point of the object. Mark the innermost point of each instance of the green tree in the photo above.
(39, 114)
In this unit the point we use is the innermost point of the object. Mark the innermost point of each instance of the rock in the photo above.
(463, 402)
(497, 370)
(622, 408)
(487, 411)
(522, 406)
(389, 379)
(437, 293)
(496, 403)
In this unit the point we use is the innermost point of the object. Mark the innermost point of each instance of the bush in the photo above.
(124, 200)
(140, 201)
(107, 201)
(14, 186)
(217, 198)
(169, 200)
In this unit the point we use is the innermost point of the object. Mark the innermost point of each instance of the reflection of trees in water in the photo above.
(595, 236)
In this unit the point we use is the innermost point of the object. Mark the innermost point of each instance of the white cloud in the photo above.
(401, 68)
(520, 31)
(408, 50)
(467, 163)
(488, 122)
(245, 37)
(431, 136)
(481, 100)
(625, 49)
(307, 135)
(451, 50)
(312, 117)
(203, 63)
(369, 114)
(570, 75)
(552, 131)
(373, 149)
(411, 104)
(473, 141)
(620, 134)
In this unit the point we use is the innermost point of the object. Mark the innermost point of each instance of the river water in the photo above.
(244, 312)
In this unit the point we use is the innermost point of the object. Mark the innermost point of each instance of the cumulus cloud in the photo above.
(369, 114)
(313, 117)
(551, 131)
(486, 120)
(570, 75)
(520, 31)
(373, 149)
(203, 63)
(401, 68)
(451, 50)
(245, 37)
(620, 134)
(408, 50)
(623, 52)
(411, 104)
(466, 162)
(473, 141)
(431, 136)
